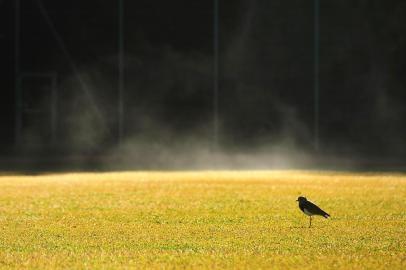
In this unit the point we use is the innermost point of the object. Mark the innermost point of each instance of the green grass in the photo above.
(245, 220)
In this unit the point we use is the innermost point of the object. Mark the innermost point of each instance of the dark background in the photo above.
(266, 78)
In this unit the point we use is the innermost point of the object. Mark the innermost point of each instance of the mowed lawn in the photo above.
(234, 220)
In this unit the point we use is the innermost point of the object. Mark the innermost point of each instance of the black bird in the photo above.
(310, 209)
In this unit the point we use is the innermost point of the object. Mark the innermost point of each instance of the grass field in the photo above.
(243, 220)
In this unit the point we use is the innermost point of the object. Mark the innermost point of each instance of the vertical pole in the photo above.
(54, 106)
(215, 73)
(17, 83)
(121, 69)
(316, 73)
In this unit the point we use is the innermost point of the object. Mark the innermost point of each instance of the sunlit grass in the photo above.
(202, 220)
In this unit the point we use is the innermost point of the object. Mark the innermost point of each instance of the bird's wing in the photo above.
(311, 207)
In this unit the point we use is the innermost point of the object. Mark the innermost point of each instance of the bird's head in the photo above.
(301, 199)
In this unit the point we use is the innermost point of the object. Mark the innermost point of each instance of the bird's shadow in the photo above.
(306, 227)
(299, 227)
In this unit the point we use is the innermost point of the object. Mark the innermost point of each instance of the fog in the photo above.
(266, 92)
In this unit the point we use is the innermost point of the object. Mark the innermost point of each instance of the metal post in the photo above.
(215, 73)
(316, 73)
(18, 96)
(54, 110)
(121, 69)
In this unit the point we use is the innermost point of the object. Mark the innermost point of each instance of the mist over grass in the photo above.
(189, 154)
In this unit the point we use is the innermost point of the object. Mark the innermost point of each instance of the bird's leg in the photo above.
(310, 221)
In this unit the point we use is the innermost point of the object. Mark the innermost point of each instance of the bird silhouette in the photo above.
(310, 209)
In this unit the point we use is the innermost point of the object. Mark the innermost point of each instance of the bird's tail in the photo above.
(326, 215)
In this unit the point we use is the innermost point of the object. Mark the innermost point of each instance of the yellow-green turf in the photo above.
(177, 220)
